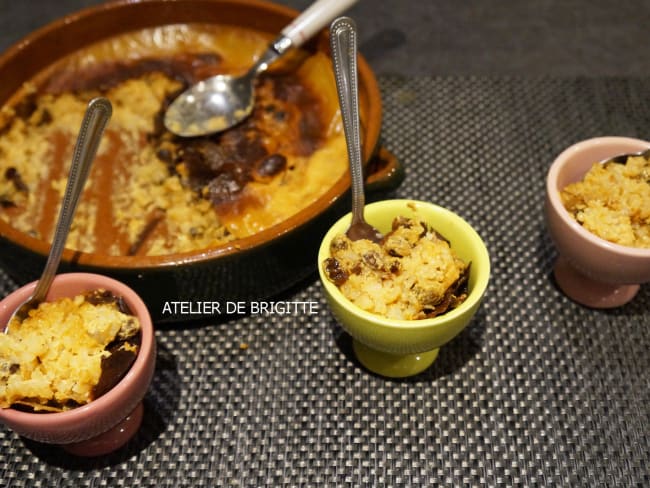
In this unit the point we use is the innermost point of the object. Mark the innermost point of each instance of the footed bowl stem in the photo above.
(110, 440)
(393, 365)
(589, 292)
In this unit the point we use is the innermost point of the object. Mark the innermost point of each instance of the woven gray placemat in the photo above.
(537, 391)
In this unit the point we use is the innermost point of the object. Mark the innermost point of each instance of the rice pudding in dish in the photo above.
(150, 192)
(399, 347)
(411, 274)
(612, 201)
(67, 352)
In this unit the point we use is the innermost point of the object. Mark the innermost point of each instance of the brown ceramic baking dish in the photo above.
(251, 268)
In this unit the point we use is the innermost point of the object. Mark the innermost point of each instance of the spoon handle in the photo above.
(92, 127)
(313, 19)
(302, 28)
(343, 42)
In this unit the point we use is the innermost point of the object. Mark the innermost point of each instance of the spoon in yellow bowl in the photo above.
(219, 102)
(97, 115)
(343, 41)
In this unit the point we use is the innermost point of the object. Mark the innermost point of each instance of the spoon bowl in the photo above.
(222, 101)
(622, 158)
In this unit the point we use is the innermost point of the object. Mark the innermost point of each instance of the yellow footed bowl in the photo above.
(400, 348)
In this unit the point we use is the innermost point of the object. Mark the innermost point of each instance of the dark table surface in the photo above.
(514, 37)
(537, 391)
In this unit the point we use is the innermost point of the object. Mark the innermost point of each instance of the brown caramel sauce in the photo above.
(115, 366)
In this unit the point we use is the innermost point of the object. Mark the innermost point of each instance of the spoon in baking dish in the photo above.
(343, 42)
(97, 115)
(217, 103)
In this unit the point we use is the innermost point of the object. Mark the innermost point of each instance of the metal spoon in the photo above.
(92, 127)
(217, 103)
(622, 158)
(343, 41)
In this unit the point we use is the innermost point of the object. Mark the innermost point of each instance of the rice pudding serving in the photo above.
(613, 201)
(153, 193)
(67, 352)
(412, 274)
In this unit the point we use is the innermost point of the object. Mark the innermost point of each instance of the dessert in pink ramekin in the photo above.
(590, 270)
(109, 421)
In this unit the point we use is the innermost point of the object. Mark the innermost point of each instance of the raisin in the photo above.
(270, 166)
(335, 271)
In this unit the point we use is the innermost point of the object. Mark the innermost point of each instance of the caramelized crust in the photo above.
(67, 352)
(413, 273)
(151, 192)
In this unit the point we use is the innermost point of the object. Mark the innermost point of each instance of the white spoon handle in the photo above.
(318, 15)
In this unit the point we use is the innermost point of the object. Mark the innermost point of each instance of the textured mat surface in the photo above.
(537, 391)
